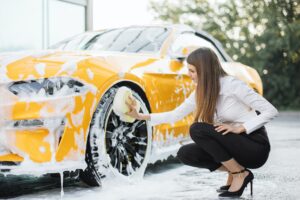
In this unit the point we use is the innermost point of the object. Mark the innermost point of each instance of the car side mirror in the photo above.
(182, 53)
(179, 55)
(176, 65)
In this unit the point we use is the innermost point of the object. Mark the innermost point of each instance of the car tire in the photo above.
(115, 147)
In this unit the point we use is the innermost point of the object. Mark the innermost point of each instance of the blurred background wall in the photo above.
(37, 24)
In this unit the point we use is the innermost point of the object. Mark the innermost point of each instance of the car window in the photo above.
(78, 42)
(104, 40)
(190, 39)
(134, 39)
(125, 39)
(149, 40)
(74, 43)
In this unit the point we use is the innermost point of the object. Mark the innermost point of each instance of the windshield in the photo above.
(77, 42)
(133, 39)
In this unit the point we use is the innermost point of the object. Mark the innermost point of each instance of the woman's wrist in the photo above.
(242, 129)
(143, 116)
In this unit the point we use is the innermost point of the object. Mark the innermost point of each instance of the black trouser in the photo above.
(211, 148)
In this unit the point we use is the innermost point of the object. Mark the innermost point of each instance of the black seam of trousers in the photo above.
(211, 148)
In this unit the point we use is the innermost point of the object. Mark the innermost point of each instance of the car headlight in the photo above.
(48, 87)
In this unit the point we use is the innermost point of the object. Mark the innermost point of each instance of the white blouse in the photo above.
(236, 105)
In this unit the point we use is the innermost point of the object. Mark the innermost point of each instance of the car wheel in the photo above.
(116, 147)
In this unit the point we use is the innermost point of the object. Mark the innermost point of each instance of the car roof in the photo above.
(174, 27)
(177, 29)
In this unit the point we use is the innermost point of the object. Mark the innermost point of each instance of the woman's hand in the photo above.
(131, 103)
(229, 128)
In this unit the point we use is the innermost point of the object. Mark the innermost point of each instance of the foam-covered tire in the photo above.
(122, 148)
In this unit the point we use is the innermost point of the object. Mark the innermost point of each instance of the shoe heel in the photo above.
(251, 188)
(248, 179)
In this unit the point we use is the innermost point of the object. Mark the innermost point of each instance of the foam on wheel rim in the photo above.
(122, 148)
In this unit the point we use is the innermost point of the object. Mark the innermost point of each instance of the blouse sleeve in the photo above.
(255, 101)
(178, 113)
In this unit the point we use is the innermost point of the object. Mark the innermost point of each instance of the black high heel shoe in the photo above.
(248, 179)
(223, 188)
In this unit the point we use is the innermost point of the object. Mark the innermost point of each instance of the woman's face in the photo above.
(192, 73)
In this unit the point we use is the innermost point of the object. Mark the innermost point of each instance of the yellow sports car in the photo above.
(56, 105)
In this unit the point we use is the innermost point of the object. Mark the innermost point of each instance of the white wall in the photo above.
(116, 13)
(36, 24)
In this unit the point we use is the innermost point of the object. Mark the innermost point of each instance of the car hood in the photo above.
(27, 65)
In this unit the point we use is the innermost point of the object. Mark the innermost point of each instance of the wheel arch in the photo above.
(138, 89)
(134, 86)
(128, 83)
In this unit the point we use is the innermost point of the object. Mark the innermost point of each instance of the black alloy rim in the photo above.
(126, 143)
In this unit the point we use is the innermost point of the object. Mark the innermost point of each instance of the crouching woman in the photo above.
(228, 133)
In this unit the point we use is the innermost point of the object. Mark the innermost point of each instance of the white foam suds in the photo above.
(3, 150)
(6, 59)
(80, 140)
(42, 149)
(61, 184)
(70, 66)
(121, 74)
(42, 53)
(92, 108)
(77, 118)
(40, 68)
(90, 73)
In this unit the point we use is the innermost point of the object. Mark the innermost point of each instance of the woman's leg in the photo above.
(194, 155)
(245, 151)
(229, 148)
(229, 177)
(237, 180)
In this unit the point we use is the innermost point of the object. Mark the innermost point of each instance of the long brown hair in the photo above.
(209, 71)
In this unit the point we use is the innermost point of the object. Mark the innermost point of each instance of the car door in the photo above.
(171, 73)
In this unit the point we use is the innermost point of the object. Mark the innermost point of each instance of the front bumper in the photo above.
(45, 131)
(36, 141)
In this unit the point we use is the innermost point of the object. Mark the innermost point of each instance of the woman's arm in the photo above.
(255, 101)
(178, 113)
